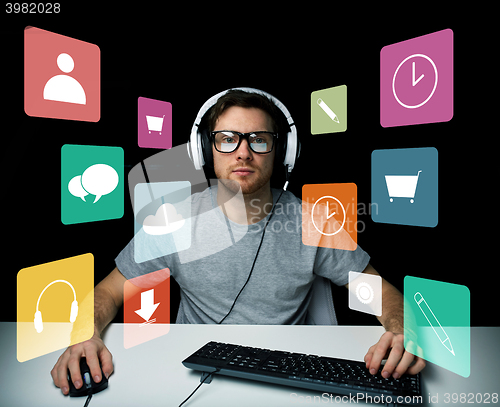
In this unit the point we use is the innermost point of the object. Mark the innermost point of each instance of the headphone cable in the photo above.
(258, 249)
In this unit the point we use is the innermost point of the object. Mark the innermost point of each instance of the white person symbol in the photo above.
(64, 88)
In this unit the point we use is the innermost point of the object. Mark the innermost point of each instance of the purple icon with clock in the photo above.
(416, 80)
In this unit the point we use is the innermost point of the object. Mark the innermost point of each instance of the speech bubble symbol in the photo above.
(99, 180)
(75, 188)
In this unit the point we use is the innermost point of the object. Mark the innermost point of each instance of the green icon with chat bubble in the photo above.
(91, 183)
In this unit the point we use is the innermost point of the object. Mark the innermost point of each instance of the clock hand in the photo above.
(328, 216)
(413, 81)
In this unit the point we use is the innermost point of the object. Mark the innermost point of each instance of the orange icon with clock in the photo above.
(329, 215)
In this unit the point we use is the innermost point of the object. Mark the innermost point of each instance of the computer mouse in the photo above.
(87, 381)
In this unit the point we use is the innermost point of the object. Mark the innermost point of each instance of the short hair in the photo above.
(236, 97)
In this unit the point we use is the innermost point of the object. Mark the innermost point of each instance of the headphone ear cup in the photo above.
(194, 149)
(282, 150)
(38, 322)
(281, 144)
(74, 311)
(293, 147)
(206, 147)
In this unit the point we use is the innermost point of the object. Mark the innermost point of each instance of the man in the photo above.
(265, 277)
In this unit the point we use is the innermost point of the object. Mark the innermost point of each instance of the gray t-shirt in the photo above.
(279, 289)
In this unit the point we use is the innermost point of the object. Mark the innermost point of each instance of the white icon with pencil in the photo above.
(327, 110)
(433, 322)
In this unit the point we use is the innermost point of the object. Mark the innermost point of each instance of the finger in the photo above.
(74, 370)
(369, 355)
(62, 373)
(417, 367)
(93, 363)
(106, 362)
(54, 370)
(380, 351)
(403, 365)
(394, 358)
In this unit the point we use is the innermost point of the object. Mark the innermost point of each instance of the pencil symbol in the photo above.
(327, 110)
(433, 322)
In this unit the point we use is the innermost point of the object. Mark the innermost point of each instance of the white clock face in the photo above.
(415, 81)
(328, 215)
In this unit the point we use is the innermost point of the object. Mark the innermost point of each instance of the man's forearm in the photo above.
(392, 305)
(105, 309)
(91, 323)
(392, 308)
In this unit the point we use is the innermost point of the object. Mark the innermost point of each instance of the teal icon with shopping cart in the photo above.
(405, 186)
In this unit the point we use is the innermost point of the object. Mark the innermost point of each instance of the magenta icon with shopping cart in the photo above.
(154, 123)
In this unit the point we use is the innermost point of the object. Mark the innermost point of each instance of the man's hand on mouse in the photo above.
(94, 351)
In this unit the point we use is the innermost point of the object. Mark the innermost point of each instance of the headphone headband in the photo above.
(74, 306)
(53, 282)
(195, 148)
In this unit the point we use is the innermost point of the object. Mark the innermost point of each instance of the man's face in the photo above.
(251, 170)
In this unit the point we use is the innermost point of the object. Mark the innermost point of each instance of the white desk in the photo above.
(151, 374)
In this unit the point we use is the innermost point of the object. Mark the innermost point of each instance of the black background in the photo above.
(185, 56)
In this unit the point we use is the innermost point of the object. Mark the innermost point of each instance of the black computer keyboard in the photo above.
(323, 374)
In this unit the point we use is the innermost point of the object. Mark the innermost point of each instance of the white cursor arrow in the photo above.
(148, 307)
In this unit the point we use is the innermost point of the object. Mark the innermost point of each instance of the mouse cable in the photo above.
(205, 378)
(88, 384)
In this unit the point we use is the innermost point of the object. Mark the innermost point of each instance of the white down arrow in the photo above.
(148, 307)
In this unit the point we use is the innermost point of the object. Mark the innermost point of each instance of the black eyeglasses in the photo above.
(227, 141)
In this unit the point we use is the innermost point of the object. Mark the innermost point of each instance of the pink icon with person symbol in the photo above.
(62, 76)
(64, 88)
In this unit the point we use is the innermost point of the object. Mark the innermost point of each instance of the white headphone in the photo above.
(74, 307)
(195, 148)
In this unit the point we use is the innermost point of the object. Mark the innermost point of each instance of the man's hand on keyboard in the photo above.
(399, 361)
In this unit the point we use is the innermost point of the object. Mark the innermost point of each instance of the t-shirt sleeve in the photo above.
(126, 264)
(335, 264)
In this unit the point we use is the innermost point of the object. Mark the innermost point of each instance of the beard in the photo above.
(249, 184)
